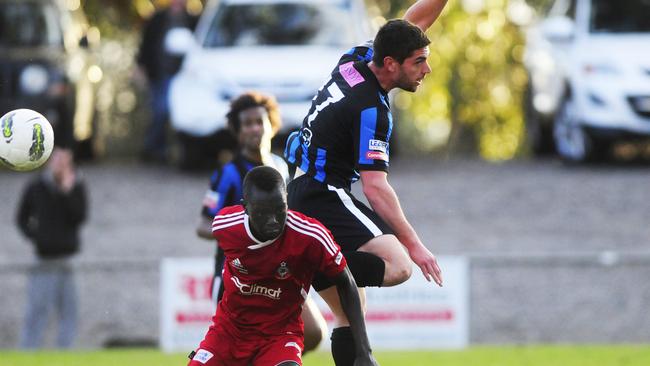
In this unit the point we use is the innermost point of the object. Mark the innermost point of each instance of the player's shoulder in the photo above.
(227, 217)
(361, 52)
(317, 235)
(306, 225)
(223, 172)
(230, 211)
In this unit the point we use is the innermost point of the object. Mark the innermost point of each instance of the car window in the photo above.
(612, 16)
(28, 24)
(280, 24)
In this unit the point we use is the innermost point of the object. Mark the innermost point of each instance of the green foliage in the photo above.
(472, 100)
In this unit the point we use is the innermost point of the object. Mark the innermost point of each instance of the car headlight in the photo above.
(34, 79)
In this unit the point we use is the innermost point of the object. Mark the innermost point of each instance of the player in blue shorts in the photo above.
(253, 119)
(346, 137)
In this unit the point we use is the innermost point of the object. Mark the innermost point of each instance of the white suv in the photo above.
(282, 47)
(589, 66)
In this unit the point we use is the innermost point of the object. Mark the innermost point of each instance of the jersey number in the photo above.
(335, 95)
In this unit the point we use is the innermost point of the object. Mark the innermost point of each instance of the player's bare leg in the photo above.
(315, 325)
(343, 350)
(397, 270)
(331, 297)
(395, 256)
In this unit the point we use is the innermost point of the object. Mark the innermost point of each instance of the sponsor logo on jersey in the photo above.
(203, 356)
(305, 136)
(282, 273)
(350, 74)
(255, 289)
(377, 155)
(338, 258)
(378, 145)
(238, 266)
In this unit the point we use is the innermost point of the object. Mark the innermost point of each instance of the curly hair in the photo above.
(398, 39)
(249, 100)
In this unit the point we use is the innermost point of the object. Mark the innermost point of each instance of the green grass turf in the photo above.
(475, 356)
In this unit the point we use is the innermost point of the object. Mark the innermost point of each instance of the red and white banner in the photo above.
(186, 308)
(414, 315)
(418, 314)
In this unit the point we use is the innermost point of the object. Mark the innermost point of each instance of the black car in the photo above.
(46, 65)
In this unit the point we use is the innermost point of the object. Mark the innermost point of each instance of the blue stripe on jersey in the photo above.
(292, 144)
(304, 164)
(390, 128)
(321, 158)
(383, 99)
(367, 133)
(368, 56)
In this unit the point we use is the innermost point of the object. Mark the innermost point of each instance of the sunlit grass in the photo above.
(475, 356)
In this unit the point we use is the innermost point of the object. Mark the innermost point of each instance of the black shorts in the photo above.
(351, 222)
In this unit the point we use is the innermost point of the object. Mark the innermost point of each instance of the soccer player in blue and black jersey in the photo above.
(254, 119)
(346, 137)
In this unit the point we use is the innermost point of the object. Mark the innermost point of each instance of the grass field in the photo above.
(475, 356)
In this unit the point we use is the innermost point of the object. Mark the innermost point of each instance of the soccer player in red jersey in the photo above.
(272, 254)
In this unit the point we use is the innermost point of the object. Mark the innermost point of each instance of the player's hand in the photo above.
(365, 360)
(427, 262)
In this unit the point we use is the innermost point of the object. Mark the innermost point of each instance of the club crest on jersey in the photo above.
(378, 145)
(282, 273)
(238, 266)
(377, 155)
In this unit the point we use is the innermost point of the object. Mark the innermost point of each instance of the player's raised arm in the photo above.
(424, 12)
(351, 304)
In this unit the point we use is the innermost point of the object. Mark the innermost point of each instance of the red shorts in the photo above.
(224, 347)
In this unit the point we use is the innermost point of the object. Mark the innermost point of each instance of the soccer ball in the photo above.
(26, 140)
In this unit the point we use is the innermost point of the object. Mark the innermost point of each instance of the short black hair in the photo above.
(249, 100)
(398, 38)
(264, 178)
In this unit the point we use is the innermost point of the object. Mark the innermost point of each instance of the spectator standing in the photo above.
(50, 214)
(159, 66)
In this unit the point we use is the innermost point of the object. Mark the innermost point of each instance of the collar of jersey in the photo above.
(260, 244)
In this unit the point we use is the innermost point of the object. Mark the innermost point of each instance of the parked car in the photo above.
(280, 47)
(589, 74)
(45, 65)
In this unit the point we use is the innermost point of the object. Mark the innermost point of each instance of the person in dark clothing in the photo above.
(50, 214)
(159, 66)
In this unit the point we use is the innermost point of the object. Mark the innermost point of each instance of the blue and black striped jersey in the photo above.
(226, 183)
(348, 126)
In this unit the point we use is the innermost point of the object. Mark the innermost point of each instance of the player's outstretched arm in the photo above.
(349, 295)
(424, 12)
(384, 201)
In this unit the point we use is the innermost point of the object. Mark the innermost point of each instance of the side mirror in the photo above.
(178, 41)
(558, 29)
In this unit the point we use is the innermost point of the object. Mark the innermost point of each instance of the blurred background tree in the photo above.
(471, 103)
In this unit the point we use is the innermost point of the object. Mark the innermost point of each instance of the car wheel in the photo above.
(572, 142)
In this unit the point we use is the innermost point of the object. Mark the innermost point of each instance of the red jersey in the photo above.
(266, 283)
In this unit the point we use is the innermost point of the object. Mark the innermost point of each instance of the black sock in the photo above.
(367, 268)
(343, 349)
